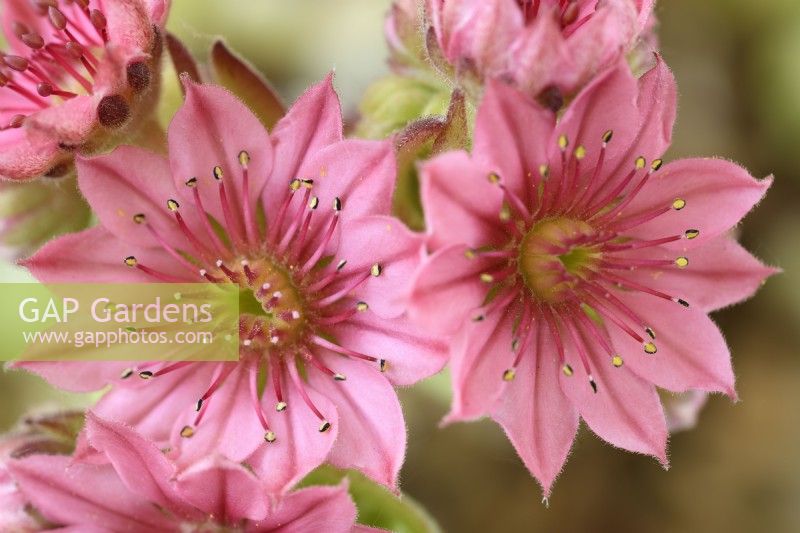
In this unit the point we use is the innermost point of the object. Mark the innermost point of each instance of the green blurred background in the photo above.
(738, 68)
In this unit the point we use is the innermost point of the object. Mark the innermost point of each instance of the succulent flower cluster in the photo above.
(563, 270)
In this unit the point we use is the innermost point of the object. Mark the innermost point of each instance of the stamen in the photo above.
(161, 276)
(328, 345)
(322, 244)
(203, 216)
(276, 369)
(301, 389)
(231, 223)
(255, 401)
(250, 226)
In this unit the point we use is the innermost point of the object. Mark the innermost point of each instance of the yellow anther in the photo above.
(567, 370)
(130, 261)
(494, 177)
(563, 142)
(691, 233)
(544, 171)
(376, 270)
(313, 203)
(325, 426)
(580, 152)
(487, 278)
(650, 348)
(172, 205)
(362, 306)
(607, 136)
(469, 253)
(656, 164)
(295, 184)
(682, 262)
(616, 361)
(139, 218)
(191, 183)
(187, 432)
(244, 158)
(678, 204)
(505, 213)
(269, 436)
(218, 174)
(509, 374)
(280, 406)
(640, 162)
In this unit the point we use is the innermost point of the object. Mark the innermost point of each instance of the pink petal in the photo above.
(683, 409)
(411, 352)
(657, 105)
(129, 25)
(299, 446)
(139, 463)
(327, 509)
(26, 154)
(510, 137)
(158, 10)
(84, 495)
(720, 273)
(229, 427)
(223, 489)
(536, 415)
(372, 432)
(446, 288)
(153, 406)
(132, 181)
(691, 351)
(74, 376)
(389, 243)
(718, 194)
(607, 103)
(311, 124)
(480, 353)
(461, 205)
(542, 60)
(625, 411)
(71, 122)
(210, 129)
(96, 256)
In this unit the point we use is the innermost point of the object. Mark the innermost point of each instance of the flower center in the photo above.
(555, 255)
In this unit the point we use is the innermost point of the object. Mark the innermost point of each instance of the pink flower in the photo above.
(546, 48)
(330, 267)
(131, 486)
(579, 275)
(79, 75)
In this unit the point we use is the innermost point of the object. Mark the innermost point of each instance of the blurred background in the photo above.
(737, 63)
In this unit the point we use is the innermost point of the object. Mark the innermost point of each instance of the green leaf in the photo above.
(241, 78)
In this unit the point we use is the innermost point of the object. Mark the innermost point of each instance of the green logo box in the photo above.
(119, 322)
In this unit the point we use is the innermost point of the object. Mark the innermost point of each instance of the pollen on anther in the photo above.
(656, 164)
(487, 278)
(295, 184)
(580, 152)
(617, 361)
(544, 171)
(218, 174)
(313, 203)
(691, 233)
(640, 162)
(145, 374)
(376, 270)
(130, 261)
(191, 183)
(128, 372)
(269, 436)
(362, 306)
(494, 177)
(187, 432)
(325, 426)
(682, 262)
(607, 136)
(173, 205)
(563, 142)
(509, 374)
(567, 369)
(280, 406)
(469, 253)
(678, 204)
(139, 218)
(244, 158)
(650, 348)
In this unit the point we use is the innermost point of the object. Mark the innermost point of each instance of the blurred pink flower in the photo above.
(683, 409)
(546, 48)
(78, 76)
(579, 275)
(131, 486)
(329, 269)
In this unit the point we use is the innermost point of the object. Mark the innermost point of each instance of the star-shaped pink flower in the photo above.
(131, 486)
(328, 268)
(78, 77)
(577, 272)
